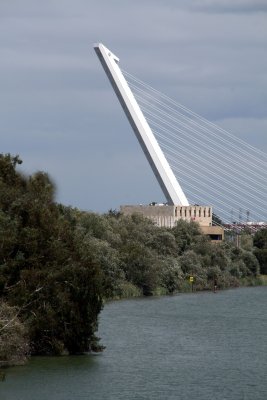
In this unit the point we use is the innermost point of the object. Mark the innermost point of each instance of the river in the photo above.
(200, 346)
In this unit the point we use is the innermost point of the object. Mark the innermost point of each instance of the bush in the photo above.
(261, 255)
(44, 269)
(14, 346)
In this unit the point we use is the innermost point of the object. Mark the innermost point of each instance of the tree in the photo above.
(260, 242)
(261, 255)
(171, 274)
(141, 266)
(14, 346)
(44, 272)
(107, 257)
(185, 234)
(163, 242)
(260, 239)
(251, 263)
(191, 265)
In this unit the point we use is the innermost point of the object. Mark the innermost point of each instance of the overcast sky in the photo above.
(60, 114)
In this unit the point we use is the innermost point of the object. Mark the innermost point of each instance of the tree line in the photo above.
(59, 264)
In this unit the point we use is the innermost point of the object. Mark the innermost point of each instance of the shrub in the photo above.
(13, 337)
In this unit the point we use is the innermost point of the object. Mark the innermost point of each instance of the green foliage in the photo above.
(127, 289)
(261, 255)
(260, 239)
(185, 234)
(192, 266)
(132, 252)
(13, 337)
(55, 282)
(57, 263)
(65, 310)
(171, 274)
(251, 263)
(163, 242)
(141, 266)
(247, 241)
(260, 242)
(107, 257)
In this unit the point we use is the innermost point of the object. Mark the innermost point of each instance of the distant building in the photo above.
(249, 227)
(167, 216)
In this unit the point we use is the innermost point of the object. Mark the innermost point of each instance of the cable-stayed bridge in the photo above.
(212, 166)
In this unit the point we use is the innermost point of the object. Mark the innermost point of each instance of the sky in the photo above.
(58, 110)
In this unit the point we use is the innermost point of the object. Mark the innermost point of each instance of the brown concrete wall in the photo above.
(165, 215)
(213, 231)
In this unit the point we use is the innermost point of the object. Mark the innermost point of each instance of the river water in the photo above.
(200, 346)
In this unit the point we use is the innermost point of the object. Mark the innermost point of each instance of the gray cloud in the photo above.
(58, 110)
(229, 6)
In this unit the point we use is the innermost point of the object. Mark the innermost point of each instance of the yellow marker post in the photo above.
(191, 280)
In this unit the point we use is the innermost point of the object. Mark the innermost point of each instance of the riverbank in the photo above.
(260, 280)
(131, 291)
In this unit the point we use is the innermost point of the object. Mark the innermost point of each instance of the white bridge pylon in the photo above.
(160, 166)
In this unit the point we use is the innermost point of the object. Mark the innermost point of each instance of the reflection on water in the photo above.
(192, 346)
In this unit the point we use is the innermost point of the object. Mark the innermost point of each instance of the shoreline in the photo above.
(258, 281)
